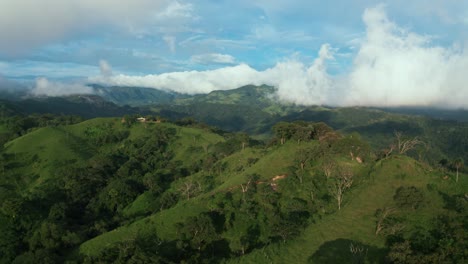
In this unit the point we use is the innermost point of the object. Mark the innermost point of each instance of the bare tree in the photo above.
(382, 215)
(386, 223)
(341, 183)
(328, 166)
(385, 153)
(405, 145)
(189, 188)
(245, 188)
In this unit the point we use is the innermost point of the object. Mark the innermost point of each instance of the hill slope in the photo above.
(108, 190)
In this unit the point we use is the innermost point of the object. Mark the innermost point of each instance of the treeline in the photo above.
(16, 124)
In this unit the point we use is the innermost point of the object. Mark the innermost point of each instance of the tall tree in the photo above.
(458, 164)
(282, 131)
(340, 183)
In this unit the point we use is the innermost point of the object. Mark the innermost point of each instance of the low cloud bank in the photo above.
(296, 82)
(52, 88)
(392, 67)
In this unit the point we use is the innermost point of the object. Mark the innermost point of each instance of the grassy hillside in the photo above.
(328, 240)
(36, 155)
(109, 190)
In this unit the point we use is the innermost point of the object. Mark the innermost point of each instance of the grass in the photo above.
(326, 240)
(355, 223)
(43, 151)
(161, 223)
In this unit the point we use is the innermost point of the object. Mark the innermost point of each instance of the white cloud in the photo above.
(299, 84)
(210, 58)
(296, 82)
(51, 88)
(392, 67)
(27, 24)
(175, 10)
(189, 82)
(105, 68)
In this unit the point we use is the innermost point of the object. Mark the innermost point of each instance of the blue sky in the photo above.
(65, 41)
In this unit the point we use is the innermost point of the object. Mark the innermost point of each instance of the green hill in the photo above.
(113, 190)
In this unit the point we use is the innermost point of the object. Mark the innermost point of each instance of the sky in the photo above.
(336, 52)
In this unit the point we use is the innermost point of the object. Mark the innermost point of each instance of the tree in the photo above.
(242, 232)
(199, 231)
(302, 131)
(405, 145)
(400, 252)
(386, 222)
(458, 164)
(152, 181)
(303, 155)
(189, 188)
(341, 183)
(282, 131)
(444, 164)
(244, 139)
(129, 120)
(328, 166)
(408, 197)
(321, 130)
(353, 146)
(382, 215)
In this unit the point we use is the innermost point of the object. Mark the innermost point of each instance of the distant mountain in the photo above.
(135, 96)
(262, 96)
(254, 109)
(248, 108)
(252, 96)
(87, 106)
(447, 114)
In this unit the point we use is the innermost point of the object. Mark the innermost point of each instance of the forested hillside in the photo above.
(115, 190)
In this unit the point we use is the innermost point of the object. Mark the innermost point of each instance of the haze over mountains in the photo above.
(389, 65)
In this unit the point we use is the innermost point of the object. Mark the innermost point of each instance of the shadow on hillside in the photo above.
(313, 115)
(388, 128)
(339, 251)
(456, 203)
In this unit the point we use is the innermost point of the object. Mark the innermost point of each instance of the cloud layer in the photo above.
(215, 58)
(51, 88)
(391, 67)
(26, 24)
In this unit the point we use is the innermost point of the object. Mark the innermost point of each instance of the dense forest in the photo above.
(123, 190)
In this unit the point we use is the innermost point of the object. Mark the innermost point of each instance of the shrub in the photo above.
(408, 197)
